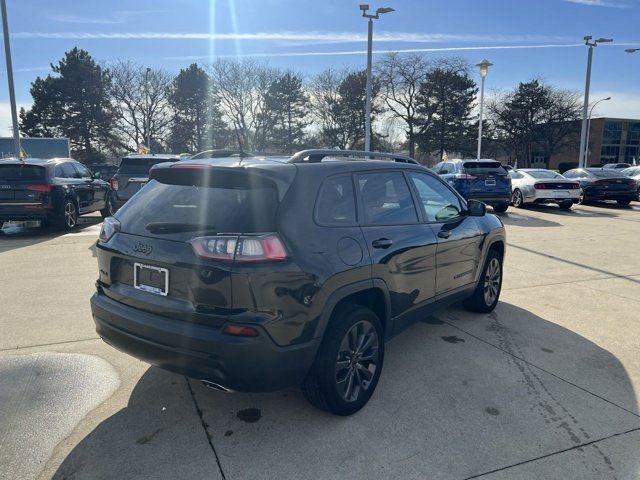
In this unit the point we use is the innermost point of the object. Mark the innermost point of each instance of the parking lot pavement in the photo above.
(544, 387)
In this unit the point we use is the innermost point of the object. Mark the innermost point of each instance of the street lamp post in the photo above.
(484, 70)
(585, 107)
(586, 153)
(12, 93)
(146, 104)
(365, 8)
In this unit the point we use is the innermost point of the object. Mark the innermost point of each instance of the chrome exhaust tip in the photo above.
(216, 386)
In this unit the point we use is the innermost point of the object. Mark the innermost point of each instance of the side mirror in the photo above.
(476, 208)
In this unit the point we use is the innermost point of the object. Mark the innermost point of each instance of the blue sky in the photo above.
(523, 38)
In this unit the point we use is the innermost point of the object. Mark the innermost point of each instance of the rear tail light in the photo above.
(109, 227)
(539, 186)
(113, 181)
(263, 248)
(39, 187)
(240, 330)
(575, 186)
(631, 182)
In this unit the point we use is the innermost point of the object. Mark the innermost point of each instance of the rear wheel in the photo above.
(500, 208)
(624, 202)
(348, 365)
(516, 199)
(485, 296)
(68, 218)
(565, 205)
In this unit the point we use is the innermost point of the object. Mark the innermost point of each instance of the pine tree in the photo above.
(288, 101)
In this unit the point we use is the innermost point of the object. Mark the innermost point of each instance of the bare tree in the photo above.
(240, 88)
(140, 97)
(400, 80)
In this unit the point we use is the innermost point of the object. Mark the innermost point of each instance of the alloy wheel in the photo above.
(492, 281)
(357, 360)
(70, 215)
(517, 198)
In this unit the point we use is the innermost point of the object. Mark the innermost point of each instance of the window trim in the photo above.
(464, 212)
(317, 221)
(361, 213)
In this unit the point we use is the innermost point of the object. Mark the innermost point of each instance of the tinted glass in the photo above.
(545, 174)
(229, 210)
(609, 173)
(336, 202)
(68, 170)
(386, 199)
(22, 172)
(82, 170)
(139, 166)
(438, 202)
(484, 168)
(514, 174)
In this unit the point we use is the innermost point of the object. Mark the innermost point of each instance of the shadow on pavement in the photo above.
(24, 234)
(512, 217)
(574, 212)
(461, 394)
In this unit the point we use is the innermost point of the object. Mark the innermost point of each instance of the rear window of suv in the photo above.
(484, 168)
(21, 172)
(229, 210)
(139, 166)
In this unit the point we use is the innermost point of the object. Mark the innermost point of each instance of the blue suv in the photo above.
(483, 180)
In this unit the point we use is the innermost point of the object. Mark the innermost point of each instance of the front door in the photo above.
(402, 249)
(459, 238)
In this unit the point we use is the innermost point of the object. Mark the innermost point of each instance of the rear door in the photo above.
(487, 177)
(401, 247)
(458, 253)
(98, 187)
(17, 183)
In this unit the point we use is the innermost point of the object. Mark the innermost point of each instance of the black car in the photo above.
(484, 180)
(54, 191)
(132, 174)
(257, 274)
(603, 184)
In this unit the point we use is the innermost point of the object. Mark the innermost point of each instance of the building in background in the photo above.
(36, 147)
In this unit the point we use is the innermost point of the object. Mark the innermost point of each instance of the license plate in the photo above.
(560, 193)
(151, 279)
(490, 182)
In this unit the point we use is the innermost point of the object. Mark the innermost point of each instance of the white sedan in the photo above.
(537, 185)
(634, 173)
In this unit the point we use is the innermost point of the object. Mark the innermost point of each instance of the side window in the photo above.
(58, 172)
(438, 202)
(82, 170)
(436, 168)
(336, 203)
(515, 175)
(69, 171)
(450, 167)
(386, 199)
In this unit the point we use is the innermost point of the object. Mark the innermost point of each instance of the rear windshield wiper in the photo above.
(179, 227)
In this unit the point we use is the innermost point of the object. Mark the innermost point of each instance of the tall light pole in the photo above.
(484, 70)
(146, 105)
(585, 107)
(586, 153)
(12, 93)
(371, 17)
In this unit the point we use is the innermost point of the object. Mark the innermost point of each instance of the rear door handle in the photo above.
(444, 234)
(382, 243)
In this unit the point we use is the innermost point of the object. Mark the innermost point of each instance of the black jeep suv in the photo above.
(257, 274)
(54, 191)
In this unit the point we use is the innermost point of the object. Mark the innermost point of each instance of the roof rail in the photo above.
(316, 156)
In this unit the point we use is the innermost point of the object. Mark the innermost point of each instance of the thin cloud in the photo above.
(598, 3)
(378, 52)
(68, 18)
(332, 37)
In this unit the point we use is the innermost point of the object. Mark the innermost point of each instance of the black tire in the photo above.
(501, 208)
(327, 383)
(565, 205)
(108, 210)
(516, 198)
(479, 301)
(623, 203)
(68, 215)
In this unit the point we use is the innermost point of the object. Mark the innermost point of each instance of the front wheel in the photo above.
(348, 365)
(501, 208)
(624, 202)
(582, 199)
(485, 296)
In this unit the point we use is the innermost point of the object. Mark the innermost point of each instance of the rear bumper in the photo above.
(490, 199)
(591, 195)
(24, 212)
(199, 351)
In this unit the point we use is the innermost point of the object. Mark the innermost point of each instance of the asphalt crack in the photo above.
(205, 427)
